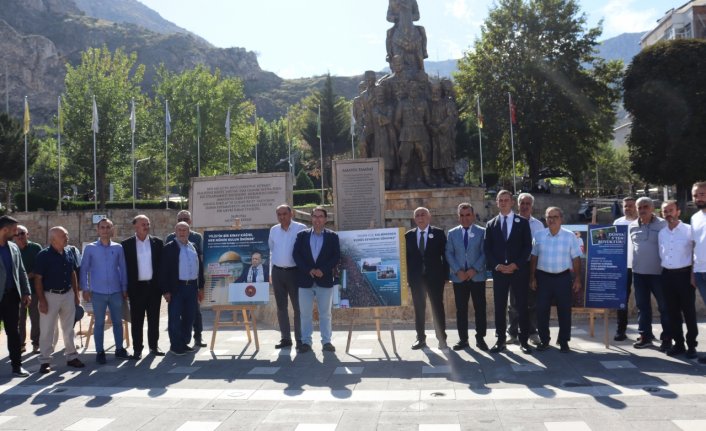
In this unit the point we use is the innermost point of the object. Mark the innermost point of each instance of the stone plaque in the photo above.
(359, 193)
(247, 200)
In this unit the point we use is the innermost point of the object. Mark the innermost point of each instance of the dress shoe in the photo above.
(542, 346)
(620, 336)
(35, 350)
(328, 347)
(121, 353)
(75, 363)
(419, 344)
(45, 368)
(199, 342)
(676, 349)
(100, 358)
(19, 372)
(534, 339)
(512, 339)
(482, 345)
(691, 353)
(498, 347)
(136, 355)
(643, 343)
(283, 343)
(461, 345)
(157, 352)
(666, 345)
(564, 347)
(526, 349)
(304, 348)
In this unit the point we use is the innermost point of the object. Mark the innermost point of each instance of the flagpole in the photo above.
(58, 141)
(167, 126)
(228, 138)
(352, 133)
(480, 139)
(257, 141)
(321, 154)
(134, 168)
(289, 146)
(512, 142)
(26, 130)
(95, 164)
(198, 141)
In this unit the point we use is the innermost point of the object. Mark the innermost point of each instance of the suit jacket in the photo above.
(457, 255)
(433, 263)
(17, 271)
(327, 261)
(130, 250)
(244, 275)
(169, 268)
(515, 250)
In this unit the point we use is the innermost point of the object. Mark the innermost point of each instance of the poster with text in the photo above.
(372, 274)
(606, 272)
(228, 259)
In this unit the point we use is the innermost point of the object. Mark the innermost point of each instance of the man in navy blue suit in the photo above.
(255, 272)
(316, 253)
(507, 245)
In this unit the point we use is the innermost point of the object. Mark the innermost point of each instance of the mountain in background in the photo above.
(622, 47)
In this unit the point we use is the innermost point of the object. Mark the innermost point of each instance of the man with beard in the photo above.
(698, 227)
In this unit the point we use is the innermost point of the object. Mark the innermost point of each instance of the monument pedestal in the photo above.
(441, 202)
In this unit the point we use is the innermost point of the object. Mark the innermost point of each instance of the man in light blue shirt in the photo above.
(555, 253)
(104, 284)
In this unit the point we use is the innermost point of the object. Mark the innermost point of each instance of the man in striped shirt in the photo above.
(555, 252)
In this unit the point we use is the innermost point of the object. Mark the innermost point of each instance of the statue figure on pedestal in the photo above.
(405, 38)
(412, 122)
(444, 116)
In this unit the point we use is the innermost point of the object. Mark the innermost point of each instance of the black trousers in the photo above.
(518, 283)
(680, 296)
(513, 316)
(623, 314)
(474, 290)
(558, 288)
(144, 300)
(198, 323)
(284, 284)
(10, 315)
(434, 289)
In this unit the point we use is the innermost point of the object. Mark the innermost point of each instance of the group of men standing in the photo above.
(140, 270)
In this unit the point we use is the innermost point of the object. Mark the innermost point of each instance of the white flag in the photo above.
(132, 117)
(228, 124)
(167, 118)
(94, 122)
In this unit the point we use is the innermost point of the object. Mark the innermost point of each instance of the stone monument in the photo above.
(405, 118)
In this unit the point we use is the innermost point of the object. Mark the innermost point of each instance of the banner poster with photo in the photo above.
(228, 258)
(581, 232)
(372, 270)
(607, 262)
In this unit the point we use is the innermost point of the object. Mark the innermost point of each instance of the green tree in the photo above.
(114, 79)
(541, 52)
(272, 146)
(666, 94)
(213, 94)
(12, 150)
(335, 125)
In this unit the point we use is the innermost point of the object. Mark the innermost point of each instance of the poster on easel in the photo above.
(372, 269)
(236, 267)
(606, 267)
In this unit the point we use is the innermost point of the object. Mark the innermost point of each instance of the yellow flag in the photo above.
(27, 119)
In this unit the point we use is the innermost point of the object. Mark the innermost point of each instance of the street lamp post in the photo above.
(136, 163)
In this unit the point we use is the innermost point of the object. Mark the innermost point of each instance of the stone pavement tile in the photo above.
(273, 427)
(358, 420)
(244, 420)
(452, 405)
(198, 426)
(373, 385)
(567, 426)
(5, 419)
(421, 417)
(690, 424)
(534, 419)
(404, 384)
(315, 427)
(652, 425)
(439, 427)
(348, 406)
(89, 424)
(173, 419)
(244, 406)
(302, 416)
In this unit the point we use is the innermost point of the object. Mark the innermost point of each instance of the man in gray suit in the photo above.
(466, 258)
(14, 289)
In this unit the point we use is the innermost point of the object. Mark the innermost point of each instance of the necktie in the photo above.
(254, 275)
(505, 228)
(422, 244)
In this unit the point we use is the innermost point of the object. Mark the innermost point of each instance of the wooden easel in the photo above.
(246, 321)
(592, 312)
(377, 318)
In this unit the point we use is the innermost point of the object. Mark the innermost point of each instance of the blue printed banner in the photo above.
(606, 267)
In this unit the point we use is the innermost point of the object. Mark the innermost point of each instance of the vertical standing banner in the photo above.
(607, 262)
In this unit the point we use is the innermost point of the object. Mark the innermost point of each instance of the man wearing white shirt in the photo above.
(676, 251)
(698, 228)
(630, 215)
(284, 275)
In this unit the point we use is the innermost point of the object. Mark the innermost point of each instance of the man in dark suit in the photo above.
(143, 253)
(508, 244)
(181, 281)
(317, 253)
(427, 272)
(255, 272)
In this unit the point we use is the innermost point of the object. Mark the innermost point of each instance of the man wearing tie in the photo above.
(143, 253)
(256, 272)
(507, 245)
(466, 258)
(427, 271)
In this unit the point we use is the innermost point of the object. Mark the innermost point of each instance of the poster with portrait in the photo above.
(606, 267)
(372, 269)
(236, 267)
(581, 233)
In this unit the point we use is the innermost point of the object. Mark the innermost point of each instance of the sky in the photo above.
(302, 38)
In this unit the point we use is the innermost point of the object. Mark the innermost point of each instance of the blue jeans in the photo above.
(182, 311)
(701, 284)
(114, 303)
(646, 285)
(324, 301)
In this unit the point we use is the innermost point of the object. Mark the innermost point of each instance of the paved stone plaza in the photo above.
(370, 388)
